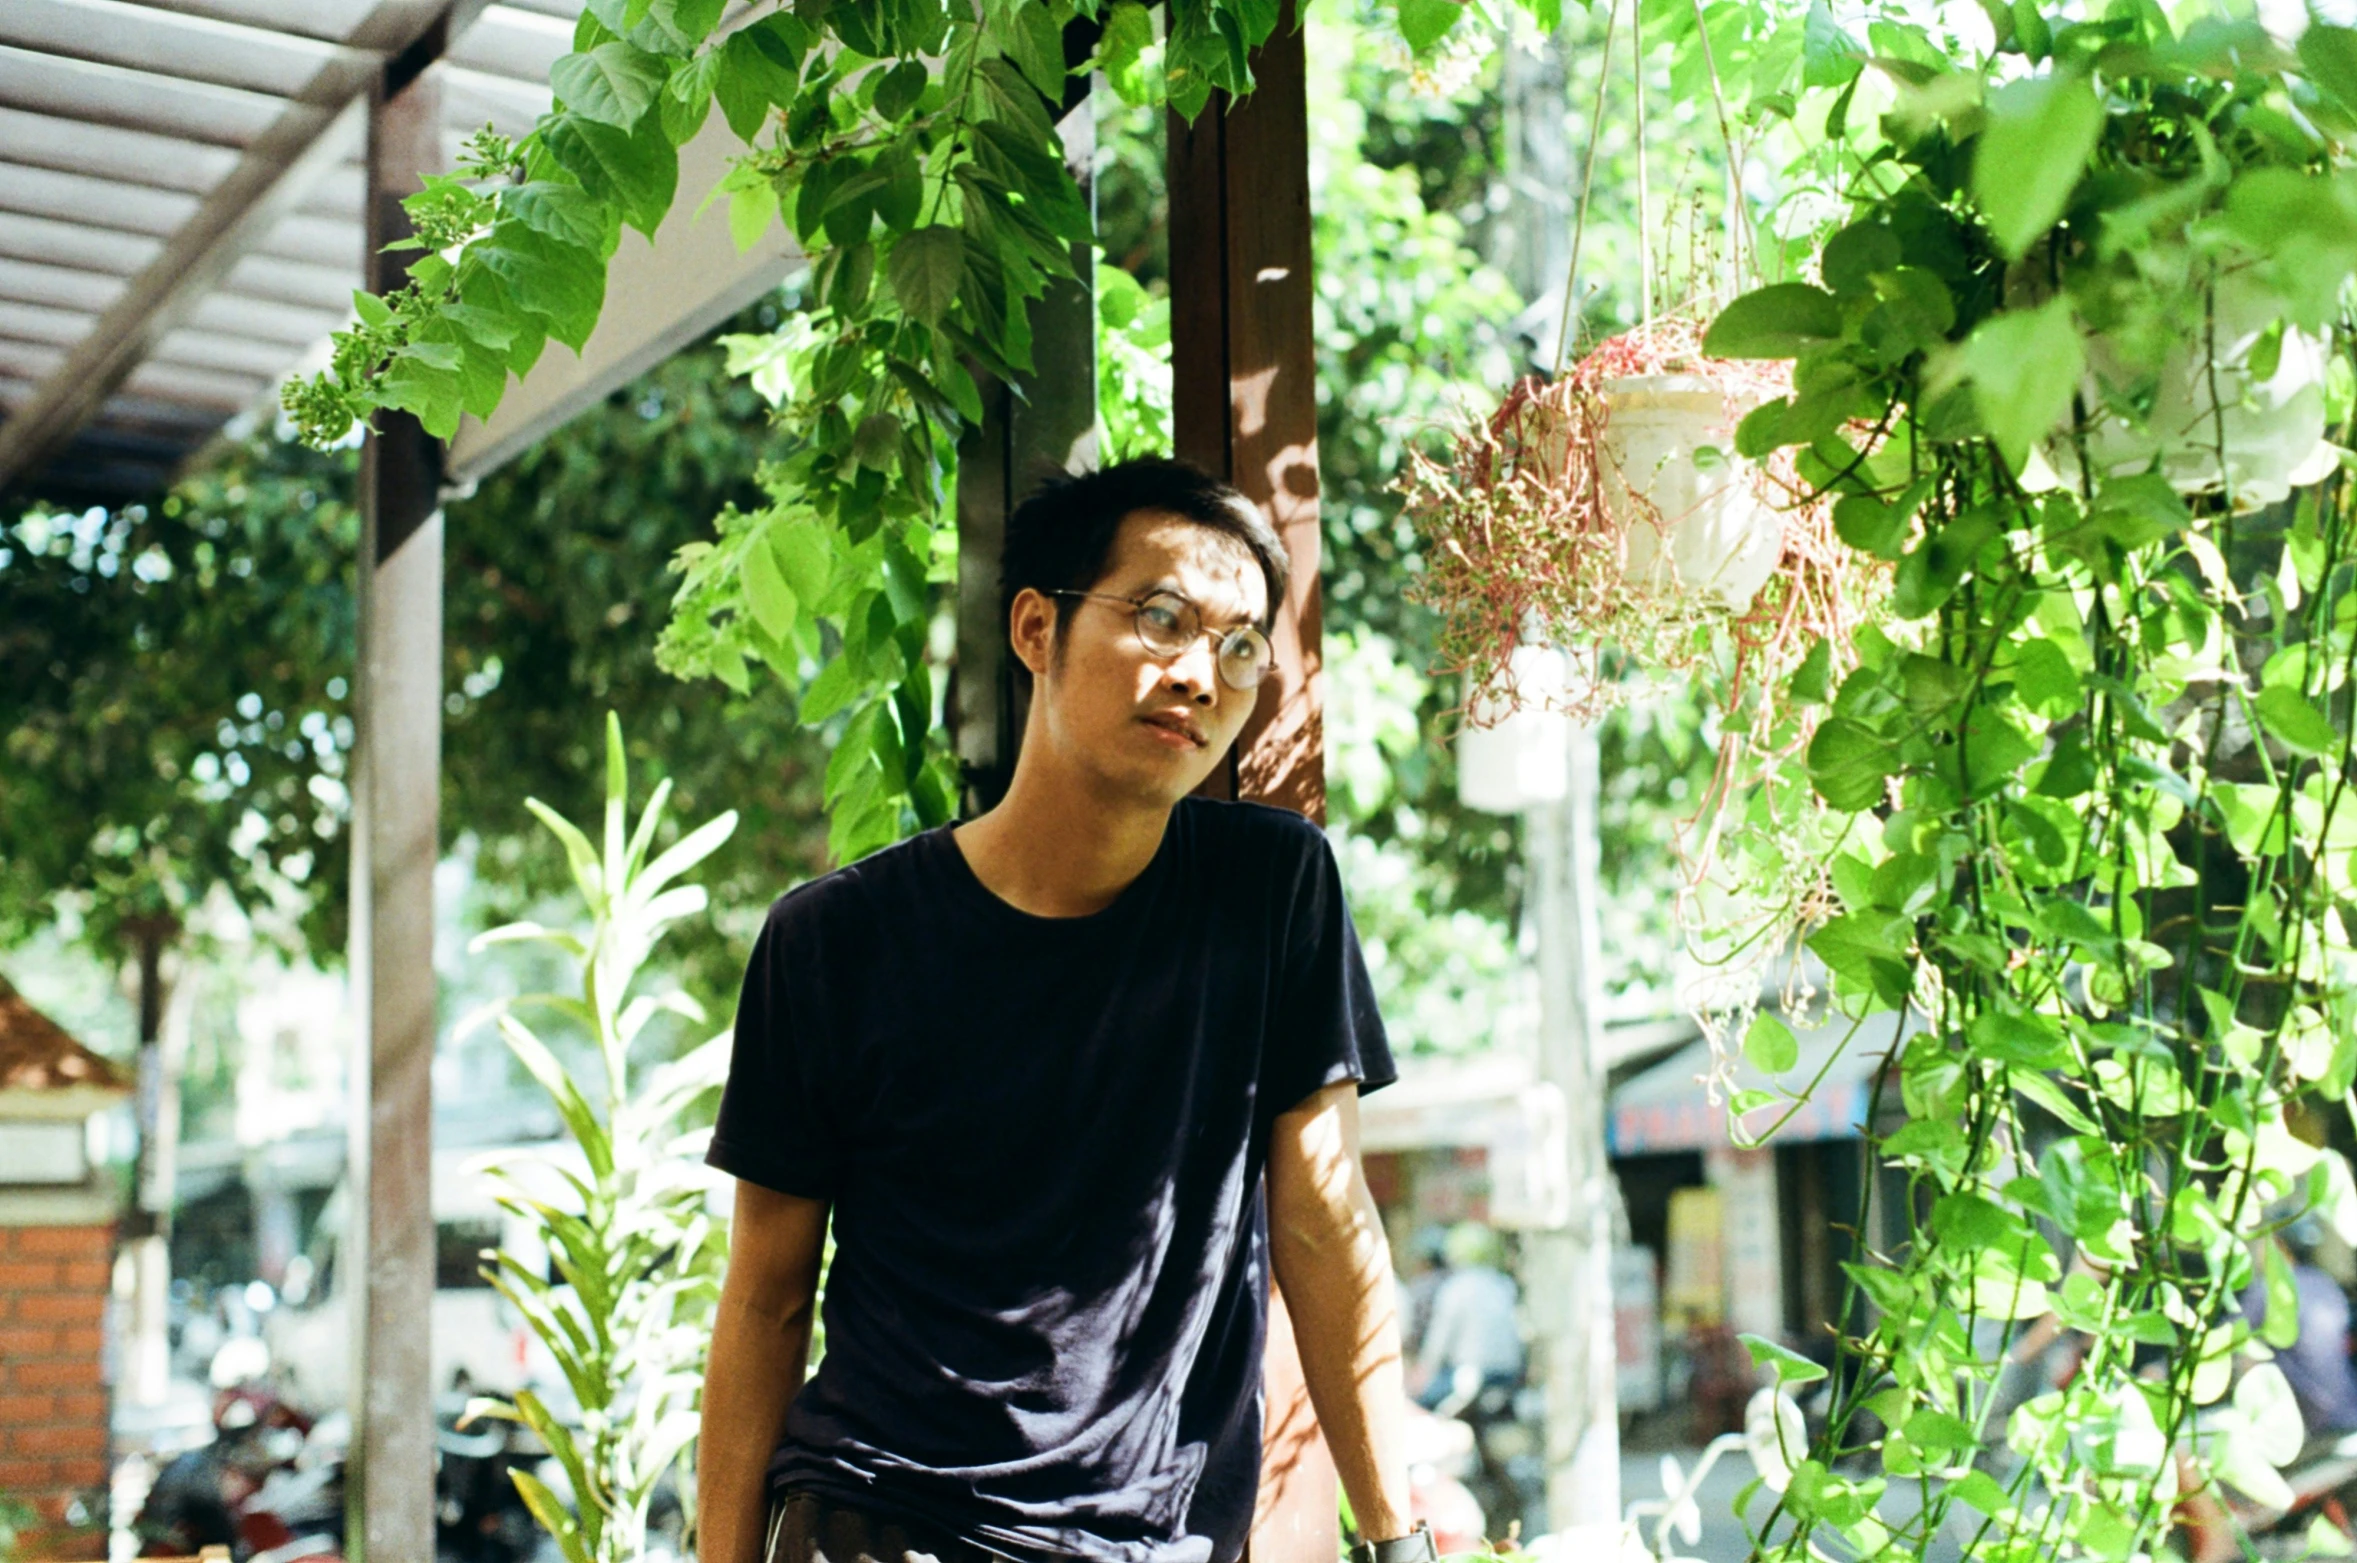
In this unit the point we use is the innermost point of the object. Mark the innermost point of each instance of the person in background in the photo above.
(1471, 1355)
(1428, 1268)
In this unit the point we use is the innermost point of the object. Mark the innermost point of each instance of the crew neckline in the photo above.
(970, 886)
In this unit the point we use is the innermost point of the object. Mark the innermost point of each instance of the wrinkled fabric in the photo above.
(1043, 1141)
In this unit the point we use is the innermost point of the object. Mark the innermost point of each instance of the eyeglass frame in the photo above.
(1220, 638)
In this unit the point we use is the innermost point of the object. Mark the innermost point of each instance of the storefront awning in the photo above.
(1669, 1108)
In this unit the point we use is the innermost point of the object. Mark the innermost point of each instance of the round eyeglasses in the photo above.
(1168, 624)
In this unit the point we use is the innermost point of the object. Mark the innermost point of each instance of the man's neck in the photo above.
(1058, 850)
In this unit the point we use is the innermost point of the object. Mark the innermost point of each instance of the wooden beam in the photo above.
(389, 1489)
(1243, 355)
(272, 172)
(1244, 364)
(660, 296)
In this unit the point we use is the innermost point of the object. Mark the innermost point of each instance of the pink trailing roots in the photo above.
(1529, 534)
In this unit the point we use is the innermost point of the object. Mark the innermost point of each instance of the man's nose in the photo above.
(1194, 672)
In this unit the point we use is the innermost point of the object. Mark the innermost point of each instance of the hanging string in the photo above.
(1644, 200)
(1738, 219)
(1579, 226)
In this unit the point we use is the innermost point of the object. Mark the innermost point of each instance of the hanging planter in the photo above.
(2237, 408)
(1694, 518)
(1606, 514)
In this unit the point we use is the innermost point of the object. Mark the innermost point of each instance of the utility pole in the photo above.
(1570, 1266)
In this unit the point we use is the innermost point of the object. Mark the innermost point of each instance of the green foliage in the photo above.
(2080, 811)
(1133, 366)
(176, 712)
(18, 1520)
(911, 151)
(636, 1252)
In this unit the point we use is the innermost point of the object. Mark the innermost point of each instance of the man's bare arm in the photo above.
(760, 1349)
(1334, 1267)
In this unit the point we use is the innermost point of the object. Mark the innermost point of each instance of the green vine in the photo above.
(2091, 853)
(911, 150)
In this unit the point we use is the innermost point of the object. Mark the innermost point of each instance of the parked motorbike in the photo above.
(479, 1516)
(200, 1498)
(298, 1511)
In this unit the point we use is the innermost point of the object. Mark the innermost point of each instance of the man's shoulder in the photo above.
(1257, 828)
(817, 907)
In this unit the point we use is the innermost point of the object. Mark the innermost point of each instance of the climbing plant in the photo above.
(2073, 841)
(911, 149)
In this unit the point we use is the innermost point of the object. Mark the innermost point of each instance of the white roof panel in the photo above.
(192, 48)
(136, 156)
(135, 100)
(58, 243)
(181, 202)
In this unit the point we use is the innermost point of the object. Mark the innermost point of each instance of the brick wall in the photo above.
(53, 1402)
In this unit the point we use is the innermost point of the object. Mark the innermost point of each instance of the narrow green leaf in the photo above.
(578, 851)
(768, 595)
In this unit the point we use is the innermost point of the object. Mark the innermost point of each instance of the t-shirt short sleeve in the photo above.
(1325, 1029)
(774, 1127)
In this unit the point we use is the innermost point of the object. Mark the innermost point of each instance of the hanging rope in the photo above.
(1579, 226)
(1644, 199)
(1738, 219)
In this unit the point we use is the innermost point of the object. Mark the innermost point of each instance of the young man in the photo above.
(1040, 1068)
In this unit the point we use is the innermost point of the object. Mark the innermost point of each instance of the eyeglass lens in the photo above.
(1169, 624)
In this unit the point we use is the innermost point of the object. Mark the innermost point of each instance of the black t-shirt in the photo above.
(1043, 1139)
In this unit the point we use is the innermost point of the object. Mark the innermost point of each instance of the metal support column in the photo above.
(1244, 361)
(1570, 1268)
(396, 792)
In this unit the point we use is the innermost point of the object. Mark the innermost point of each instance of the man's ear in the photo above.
(1031, 630)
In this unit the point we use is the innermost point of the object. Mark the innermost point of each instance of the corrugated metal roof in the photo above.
(180, 206)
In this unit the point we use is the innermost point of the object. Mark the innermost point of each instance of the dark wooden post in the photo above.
(1245, 363)
(1047, 424)
(388, 1261)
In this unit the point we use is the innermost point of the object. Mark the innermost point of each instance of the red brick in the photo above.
(60, 1308)
(25, 1410)
(64, 1243)
(88, 1472)
(19, 1341)
(81, 1405)
(86, 1275)
(64, 1373)
(19, 1476)
(76, 1339)
(29, 1275)
(59, 1441)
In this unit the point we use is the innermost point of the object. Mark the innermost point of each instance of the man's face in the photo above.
(1148, 724)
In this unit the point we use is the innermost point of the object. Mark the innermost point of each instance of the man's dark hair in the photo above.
(1061, 538)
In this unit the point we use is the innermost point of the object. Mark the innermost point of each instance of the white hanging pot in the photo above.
(1509, 760)
(1687, 507)
(2271, 430)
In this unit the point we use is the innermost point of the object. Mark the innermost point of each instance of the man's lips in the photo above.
(1176, 724)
